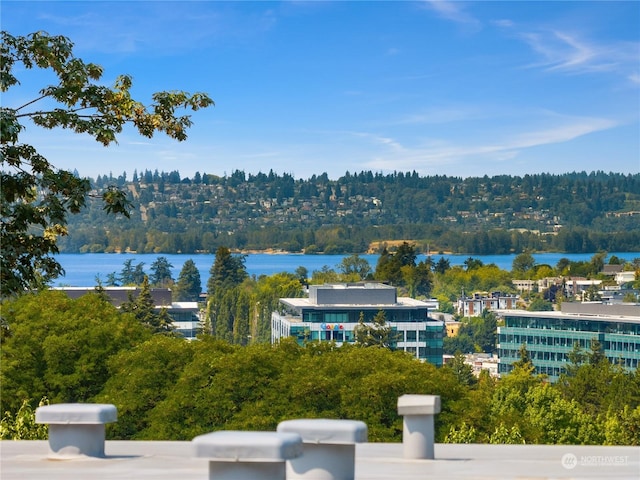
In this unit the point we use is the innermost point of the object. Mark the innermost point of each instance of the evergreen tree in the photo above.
(163, 323)
(303, 274)
(442, 265)
(189, 286)
(112, 280)
(144, 309)
(524, 363)
(406, 254)
(462, 371)
(393, 267)
(139, 275)
(130, 275)
(596, 355)
(227, 271)
(161, 273)
(385, 266)
(472, 263)
(539, 304)
(374, 334)
(596, 384)
(418, 279)
(486, 332)
(145, 305)
(127, 273)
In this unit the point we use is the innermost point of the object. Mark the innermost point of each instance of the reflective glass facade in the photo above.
(550, 338)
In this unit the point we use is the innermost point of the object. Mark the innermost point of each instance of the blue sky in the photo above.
(442, 88)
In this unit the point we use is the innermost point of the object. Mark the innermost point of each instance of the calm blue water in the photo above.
(83, 268)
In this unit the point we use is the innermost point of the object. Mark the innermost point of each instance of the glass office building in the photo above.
(550, 336)
(331, 313)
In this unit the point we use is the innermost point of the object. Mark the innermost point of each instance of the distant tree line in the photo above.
(572, 213)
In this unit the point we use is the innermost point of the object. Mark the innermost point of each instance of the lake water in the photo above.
(83, 268)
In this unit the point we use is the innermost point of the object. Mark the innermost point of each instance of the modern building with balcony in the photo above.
(333, 311)
(474, 305)
(550, 336)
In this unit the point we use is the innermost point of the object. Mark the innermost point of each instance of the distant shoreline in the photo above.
(273, 251)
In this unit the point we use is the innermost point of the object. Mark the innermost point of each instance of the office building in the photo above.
(332, 312)
(550, 336)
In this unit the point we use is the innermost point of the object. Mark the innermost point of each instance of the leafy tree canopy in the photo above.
(36, 197)
(59, 348)
(540, 305)
(523, 263)
(168, 389)
(355, 265)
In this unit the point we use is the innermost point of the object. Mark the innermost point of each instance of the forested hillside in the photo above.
(574, 212)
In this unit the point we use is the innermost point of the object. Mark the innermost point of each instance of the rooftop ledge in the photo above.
(170, 460)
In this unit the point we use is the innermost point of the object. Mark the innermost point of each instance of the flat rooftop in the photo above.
(401, 303)
(628, 316)
(374, 461)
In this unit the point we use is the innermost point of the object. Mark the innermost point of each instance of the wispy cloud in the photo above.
(563, 51)
(453, 11)
(438, 153)
(503, 22)
(122, 30)
(439, 115)
(572, 52)
(576, 127)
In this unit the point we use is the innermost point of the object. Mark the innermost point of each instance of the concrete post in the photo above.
(418, 436)
(235, 455)
(329, 448)
(76, 429)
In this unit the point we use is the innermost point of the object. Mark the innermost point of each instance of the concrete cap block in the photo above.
(77, 413)
(240, 446)
(418, 404)
(327, 431)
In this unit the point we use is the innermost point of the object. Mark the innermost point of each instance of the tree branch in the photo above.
(31, 102)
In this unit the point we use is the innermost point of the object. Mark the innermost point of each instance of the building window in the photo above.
(333, 317)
